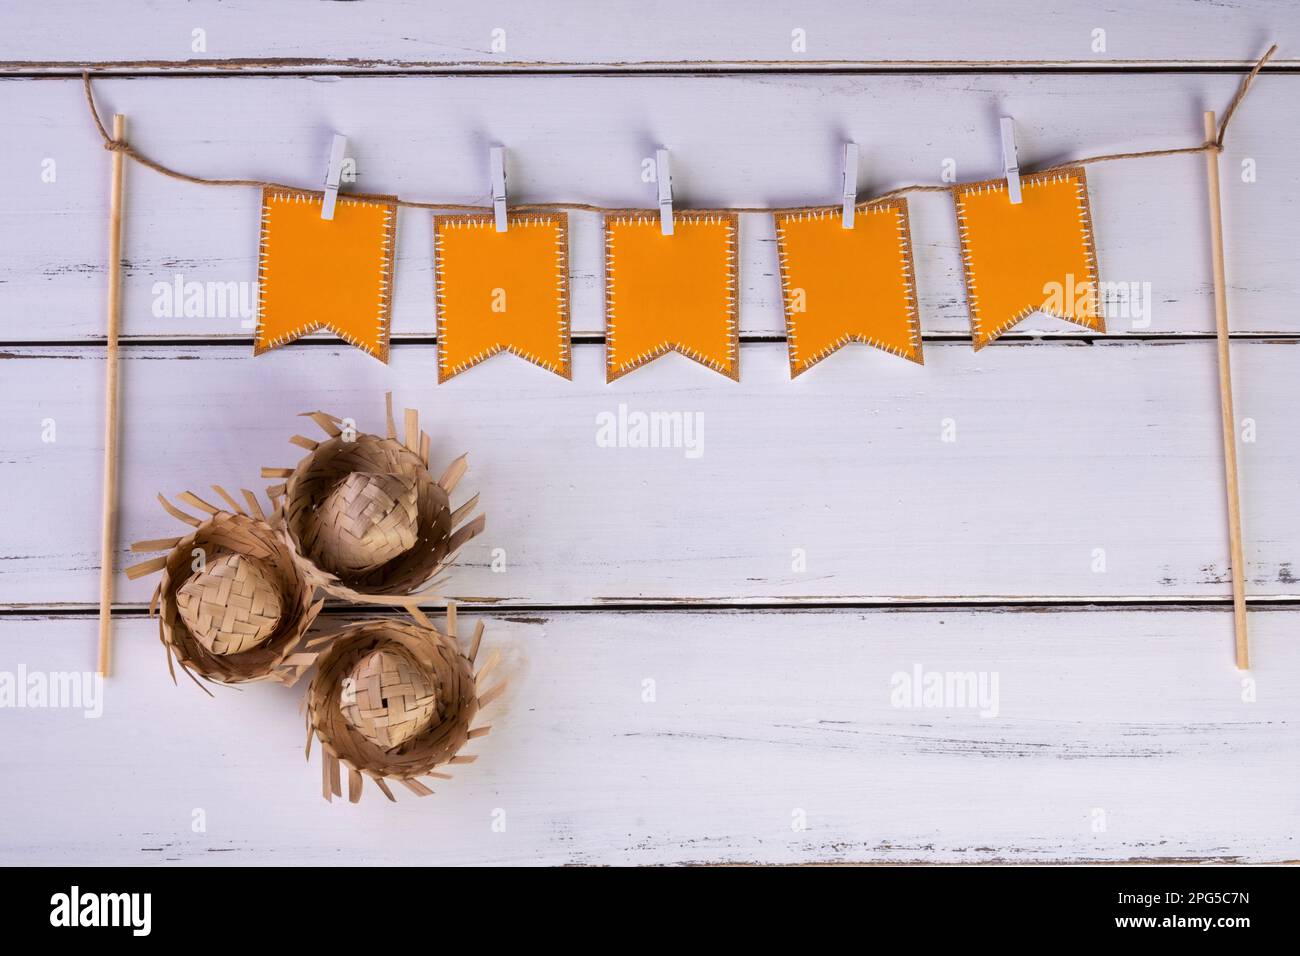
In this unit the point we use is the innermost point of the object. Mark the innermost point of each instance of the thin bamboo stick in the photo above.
(108, 543)
(1225, 402)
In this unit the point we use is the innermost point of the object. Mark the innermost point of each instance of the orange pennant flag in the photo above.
(315, 273)
(1035, 256)
(848, 285)
(671, 293)
(501, 291)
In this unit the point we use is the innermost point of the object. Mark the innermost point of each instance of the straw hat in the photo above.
(392, 700)
(233, 603)
(364, 514)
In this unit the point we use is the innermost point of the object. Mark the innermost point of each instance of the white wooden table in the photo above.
(703, 651)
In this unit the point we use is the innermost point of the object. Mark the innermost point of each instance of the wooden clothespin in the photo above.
(849, 183)
(497, 160)
(1010, 162)
(665, 179)
(333, 175)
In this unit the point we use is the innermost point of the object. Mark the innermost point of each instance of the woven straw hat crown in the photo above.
(367, 520)
(231, 605)
(389, 698)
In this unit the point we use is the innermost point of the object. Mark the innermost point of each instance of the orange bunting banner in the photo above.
(334, 274)
(672, 293)
(509, 291)
(501, 291)
(848, 285)
(1034, 256)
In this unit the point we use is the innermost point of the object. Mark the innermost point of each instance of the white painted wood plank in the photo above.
(737, 141)
(1134, 720)
(1061, 449)
(589, 32)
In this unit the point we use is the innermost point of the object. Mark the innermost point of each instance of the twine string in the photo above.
(1213, 145)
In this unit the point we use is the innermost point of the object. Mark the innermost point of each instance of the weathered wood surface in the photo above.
(1118, 735)
(379, 34)
(1060, 449)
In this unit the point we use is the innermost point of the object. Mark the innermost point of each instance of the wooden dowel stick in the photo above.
(108, 543)
(1225, 403)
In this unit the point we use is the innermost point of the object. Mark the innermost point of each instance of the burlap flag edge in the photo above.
(385, 311)
(899, 206)
(561, 221)
(733, 325)
(1080, 177)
